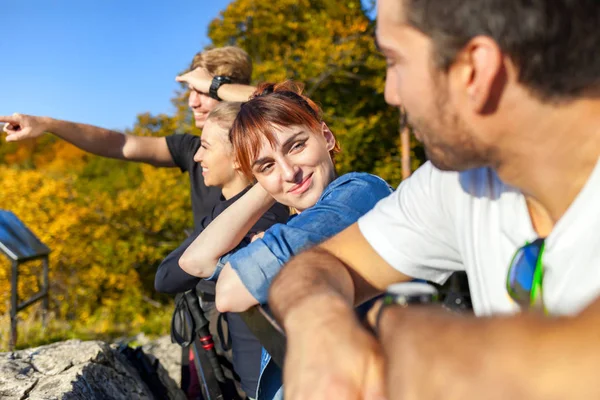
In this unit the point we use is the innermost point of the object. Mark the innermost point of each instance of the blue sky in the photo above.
(98, 61)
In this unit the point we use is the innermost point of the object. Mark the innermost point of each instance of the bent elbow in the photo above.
(160, 279)
(225, 296)
(224, 300)
(229, 297)
(158, 284)
(198, 267)
(162, 285)
(222, 303)
(187, 264)
(227, 302)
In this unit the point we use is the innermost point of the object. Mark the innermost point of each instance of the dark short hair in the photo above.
(555, 44)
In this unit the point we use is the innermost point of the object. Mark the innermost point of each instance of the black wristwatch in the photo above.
(407, 294)
(216, 84)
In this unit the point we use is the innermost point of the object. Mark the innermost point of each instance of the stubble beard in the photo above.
(449, 144)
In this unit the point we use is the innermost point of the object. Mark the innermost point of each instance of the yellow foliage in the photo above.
(328, 45)
(109, 223)
(105, 248)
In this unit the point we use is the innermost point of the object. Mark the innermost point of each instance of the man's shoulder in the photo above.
(478, 182)
(483, 182)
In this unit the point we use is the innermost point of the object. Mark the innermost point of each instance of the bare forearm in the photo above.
(235, 92)
(314, 274)
(93, 139)
(200, 80)
(435, 354)
(224, 233)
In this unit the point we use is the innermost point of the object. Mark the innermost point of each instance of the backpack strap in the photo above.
(182, 323)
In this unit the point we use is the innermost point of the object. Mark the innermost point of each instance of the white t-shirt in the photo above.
(439, 222)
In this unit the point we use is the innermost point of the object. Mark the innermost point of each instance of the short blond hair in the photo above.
(225, 113)
(229, 61)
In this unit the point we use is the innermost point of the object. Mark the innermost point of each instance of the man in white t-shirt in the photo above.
(504, 95)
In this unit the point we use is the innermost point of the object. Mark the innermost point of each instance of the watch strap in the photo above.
(407, 294)
(216, 83)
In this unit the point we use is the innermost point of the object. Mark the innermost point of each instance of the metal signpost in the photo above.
(20, 245)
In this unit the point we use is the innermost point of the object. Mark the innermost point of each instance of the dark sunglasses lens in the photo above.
(522, 271)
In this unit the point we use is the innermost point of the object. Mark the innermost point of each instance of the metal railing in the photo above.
(15, 306)
(20, 245)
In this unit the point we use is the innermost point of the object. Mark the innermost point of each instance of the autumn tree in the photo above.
(109, 223)
(329, 46)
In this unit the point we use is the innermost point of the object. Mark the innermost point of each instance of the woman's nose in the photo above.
(289, 171)
(198, 155)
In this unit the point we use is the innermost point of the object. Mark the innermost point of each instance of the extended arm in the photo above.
(433, 355)
(224, 233)
(93, 139)
(200, 80)
(235, 92)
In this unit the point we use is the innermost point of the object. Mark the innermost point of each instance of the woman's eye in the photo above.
(298, 146)
(266, 168)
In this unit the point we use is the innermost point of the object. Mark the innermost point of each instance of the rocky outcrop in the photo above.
(77, 370)
(167, 353)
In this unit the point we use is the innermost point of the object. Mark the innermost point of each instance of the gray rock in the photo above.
(77, 370)
(169, 355)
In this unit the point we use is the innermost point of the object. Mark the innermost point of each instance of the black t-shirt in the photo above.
(204, 198)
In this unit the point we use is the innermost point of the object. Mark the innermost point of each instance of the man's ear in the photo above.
(480, 67)
(328, 135)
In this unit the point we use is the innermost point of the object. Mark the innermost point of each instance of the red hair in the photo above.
(271, 104)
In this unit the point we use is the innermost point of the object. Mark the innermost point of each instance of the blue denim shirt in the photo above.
(343, 201)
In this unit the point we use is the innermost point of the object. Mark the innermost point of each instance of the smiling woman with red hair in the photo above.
(279, 139)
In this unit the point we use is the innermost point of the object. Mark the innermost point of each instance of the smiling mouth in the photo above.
(302, 186)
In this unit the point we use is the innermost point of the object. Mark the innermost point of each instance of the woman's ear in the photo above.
(328, 135)
(236, 164)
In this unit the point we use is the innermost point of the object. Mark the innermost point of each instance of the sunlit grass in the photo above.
(32, 333)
